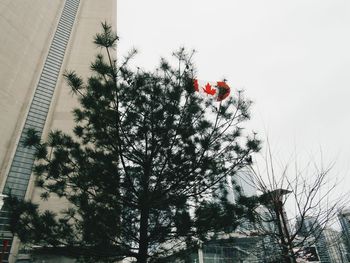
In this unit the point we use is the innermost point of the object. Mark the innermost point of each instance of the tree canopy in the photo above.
(145, 169)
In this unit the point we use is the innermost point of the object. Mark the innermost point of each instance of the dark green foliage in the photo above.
(146, 159)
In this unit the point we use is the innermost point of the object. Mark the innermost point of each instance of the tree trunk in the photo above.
(144, 218)
(286, 255)
(143, 243)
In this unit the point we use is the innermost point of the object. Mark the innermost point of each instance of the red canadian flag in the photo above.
(219, 90)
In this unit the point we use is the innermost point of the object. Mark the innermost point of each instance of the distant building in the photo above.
(307, 253)
(267, 229)
(328, 242)
(266, 248)
(244, 244)
(344, 219)
(335, 245)
(236, 249)
(244, 179)
(309, 226)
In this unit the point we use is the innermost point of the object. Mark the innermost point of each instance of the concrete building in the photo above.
(39, 40)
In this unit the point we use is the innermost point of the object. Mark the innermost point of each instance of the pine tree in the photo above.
(146, 162)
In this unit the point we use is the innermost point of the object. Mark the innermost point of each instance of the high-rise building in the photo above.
(241, 184)
(344, 219)
(39, 40)
(328, 242)
(333, 242)
(244, 180)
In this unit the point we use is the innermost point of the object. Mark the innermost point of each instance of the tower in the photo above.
(40, 39)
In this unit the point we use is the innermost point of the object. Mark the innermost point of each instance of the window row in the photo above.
(17, 183)
(15, 192)
(57, 54)
(39, 112)
(63, 26)
(36, 117)
(27, 155)
(63, 34)
(56, 50)
(43, 93)
(49, 75)
(40, 102)
(54, 60)
(20, 170)
(32, 120)
(69, 10)
(26, 166)
(42, 108)
(68, 20)
(22, 176)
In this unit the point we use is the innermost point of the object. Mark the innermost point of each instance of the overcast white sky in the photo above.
(291, 57)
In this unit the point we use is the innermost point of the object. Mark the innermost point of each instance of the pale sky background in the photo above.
(291, 57)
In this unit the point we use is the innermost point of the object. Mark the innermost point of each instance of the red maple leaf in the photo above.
(209, 90)
(196, 85)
